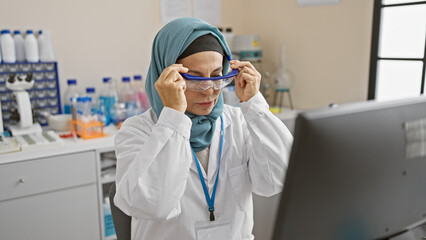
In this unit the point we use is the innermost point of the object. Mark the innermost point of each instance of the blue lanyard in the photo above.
(210, 201)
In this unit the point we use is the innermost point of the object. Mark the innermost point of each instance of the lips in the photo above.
(206, 104)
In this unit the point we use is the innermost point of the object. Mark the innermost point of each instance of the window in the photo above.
(398, 49)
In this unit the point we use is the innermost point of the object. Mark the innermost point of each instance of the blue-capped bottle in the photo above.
(70, 93)
(19, 46)
(107, 99)
(31, 47)
(90, 92)
(127, 96)
(7, 46)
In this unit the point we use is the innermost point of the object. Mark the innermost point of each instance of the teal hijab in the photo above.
(169, 44)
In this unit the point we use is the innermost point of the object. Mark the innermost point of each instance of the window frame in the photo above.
(374, 53)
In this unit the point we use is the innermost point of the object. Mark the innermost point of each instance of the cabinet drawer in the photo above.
(46, 174)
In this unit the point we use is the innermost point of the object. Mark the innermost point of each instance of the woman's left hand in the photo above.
(247, 82)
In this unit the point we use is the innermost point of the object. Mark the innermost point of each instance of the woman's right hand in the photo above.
(171, 87)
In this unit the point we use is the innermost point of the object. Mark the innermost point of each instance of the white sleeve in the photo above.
(268, 146)
(153, 166)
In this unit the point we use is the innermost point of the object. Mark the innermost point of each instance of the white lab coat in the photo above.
(157, 179)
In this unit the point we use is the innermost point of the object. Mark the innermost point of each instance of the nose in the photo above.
(208, 91)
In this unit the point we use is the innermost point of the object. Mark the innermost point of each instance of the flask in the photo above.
(140, 94)
(90, 92)
(69, 94)
(19, 46)
(107, 99)
(46, 49)
(7, 46)
(31, 47)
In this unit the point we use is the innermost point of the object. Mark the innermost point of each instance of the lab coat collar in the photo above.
(214, 151)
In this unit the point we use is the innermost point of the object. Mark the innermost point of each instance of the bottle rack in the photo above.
(44, 95)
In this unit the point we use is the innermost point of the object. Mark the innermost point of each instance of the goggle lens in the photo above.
(199, 84)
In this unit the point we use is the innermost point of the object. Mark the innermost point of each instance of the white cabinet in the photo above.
(50, 198)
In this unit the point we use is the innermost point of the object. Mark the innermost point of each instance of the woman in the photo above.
(186, 168)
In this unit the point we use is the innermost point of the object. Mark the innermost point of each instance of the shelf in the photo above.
(108, 180)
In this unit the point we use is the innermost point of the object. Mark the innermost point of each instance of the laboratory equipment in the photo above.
(91, 92)
(140, 94)
(107, 99)
(127, 96)
(199, 84)
(70, 93)
(87, 125)
(31, 47)
(229, 37)
(44, 95)
(247, 47)
(40, 41)
(7, 46)
(356, 171)
(109, 223)
(19, 84)
(60, 122)
(37, 140)
(283, 80)
(19, 46)
(8, 144)
(46, 49)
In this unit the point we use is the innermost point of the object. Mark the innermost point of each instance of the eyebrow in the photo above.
(200, 73)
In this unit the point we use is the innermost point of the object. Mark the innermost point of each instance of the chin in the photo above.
(204, 111)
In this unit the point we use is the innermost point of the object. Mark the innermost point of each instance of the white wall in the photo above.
(327, 47)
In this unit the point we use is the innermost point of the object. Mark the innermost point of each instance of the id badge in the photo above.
(213, 230)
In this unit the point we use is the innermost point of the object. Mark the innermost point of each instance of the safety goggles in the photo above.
(199, 84)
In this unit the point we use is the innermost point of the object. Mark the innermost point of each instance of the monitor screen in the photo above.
(357, 171)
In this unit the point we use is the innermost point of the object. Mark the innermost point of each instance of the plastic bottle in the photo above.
(7, 46)
(107, 99)
(83, 109)
(31, 47)
(90, 92)
(127, 96)
(40, 41)
(19, 46)
(70, 93)
(109, 223)
(140, 94)
(46, 49)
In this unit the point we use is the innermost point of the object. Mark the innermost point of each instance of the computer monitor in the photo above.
(356, 171)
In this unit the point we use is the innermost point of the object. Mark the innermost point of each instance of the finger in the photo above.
(248, 78)
(249, 71)
(240, 81)
(238, 64)
(174, 74)
(175, 67)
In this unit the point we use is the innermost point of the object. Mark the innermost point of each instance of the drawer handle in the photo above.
(22, 180)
